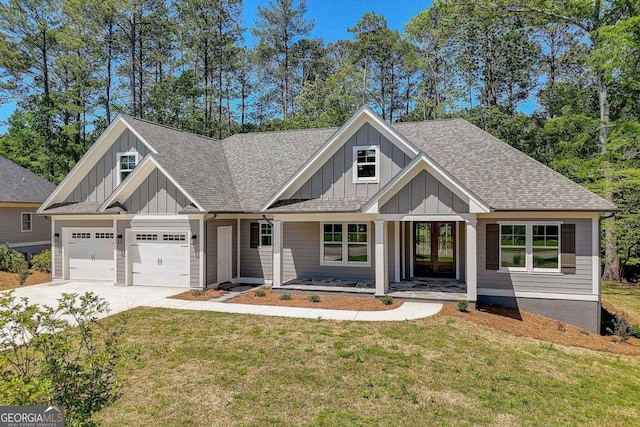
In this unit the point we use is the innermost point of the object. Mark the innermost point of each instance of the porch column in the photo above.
(396, 250)
(382, 277)
(277, 253)
(472, 260)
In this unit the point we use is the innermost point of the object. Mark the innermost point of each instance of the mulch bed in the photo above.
(334, 302)
(10, 280)
(525, 324)
(198, 295)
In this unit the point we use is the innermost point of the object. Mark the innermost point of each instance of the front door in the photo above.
(434, 250)
(225, 262)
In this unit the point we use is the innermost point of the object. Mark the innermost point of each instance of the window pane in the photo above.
(507, 240)
(366, 171)
(519, 230)
(357, 253)
(538, 241)
(337, 228)
(545, 258)
(266, 240)
(328, 228)
(362, 228)
(507, 229)
(332, 253)
(513, 257)
(352, 228)
(361, 153)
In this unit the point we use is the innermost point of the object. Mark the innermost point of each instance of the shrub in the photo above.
(635, 331)
(285, 297)
(463, 305)
(386, 300)
(70, 358)
(5, 258)
(560, 326)
(197, 292)
(314, 298)
(621, 327)
(19, 266)
(42, 261)
(260, 293)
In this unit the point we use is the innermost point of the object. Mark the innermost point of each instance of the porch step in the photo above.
(424, 296)
(330, 289)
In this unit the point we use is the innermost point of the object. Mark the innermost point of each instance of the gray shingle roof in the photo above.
(83, 208)
(502, 176)
(21, 185)
(318, 205)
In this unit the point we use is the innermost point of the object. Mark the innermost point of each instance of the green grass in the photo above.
(203, 368)
(626, 298)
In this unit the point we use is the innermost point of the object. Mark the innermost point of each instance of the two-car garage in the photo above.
(151, 258)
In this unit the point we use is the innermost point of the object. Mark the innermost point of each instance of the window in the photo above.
(147, 237)
(365, 167)
(126, 163)
(530, 247)
(104, 235)
(174, 237)
(265, 234)
(27, 223)
(80, 235)
(344, 243)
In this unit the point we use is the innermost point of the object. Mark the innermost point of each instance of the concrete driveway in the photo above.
(120, 298)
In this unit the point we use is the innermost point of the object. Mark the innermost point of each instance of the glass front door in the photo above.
(434, 249)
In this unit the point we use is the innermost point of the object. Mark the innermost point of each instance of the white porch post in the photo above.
(396, 251)
(277, 253)
(471, 260)
(382, 279)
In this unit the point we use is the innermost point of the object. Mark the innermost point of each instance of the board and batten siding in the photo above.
(11, 227)
(156, 195)
(212, 248)
(191, 226)
(424, 194)
(57, 246)
(301, 254)
(102, 179)
(335, 178)
(580, 283)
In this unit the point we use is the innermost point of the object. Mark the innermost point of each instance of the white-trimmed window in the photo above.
(26, 221)
(530, 247)
(126, 163)
(366, 164)
(345, 244)
(265, 234)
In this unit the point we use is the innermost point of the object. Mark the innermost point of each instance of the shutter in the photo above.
(568, 249)
(254, 237)
(492, 249)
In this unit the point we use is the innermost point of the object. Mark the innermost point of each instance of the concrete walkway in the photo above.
(125, 298)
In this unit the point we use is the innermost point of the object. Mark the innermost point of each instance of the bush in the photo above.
(197, 292)
(70, 358)
(42, 261)
(5, 258)
(463, 305)
(285, 297)
(314, 298)
(621, 327)
(386, 300)
(260, 293)
(19, 266)
(635, 331)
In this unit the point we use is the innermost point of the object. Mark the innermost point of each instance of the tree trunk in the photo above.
(107, 92)
(132, 64)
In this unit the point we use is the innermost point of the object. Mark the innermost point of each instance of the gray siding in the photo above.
(121, 259)
(212, 248)
(254, 262)
(57, 247)
(424, 195)
(192, 226)
(156, 194)
(579, 283)
(335, 178)
(102, 178)
(11, 227)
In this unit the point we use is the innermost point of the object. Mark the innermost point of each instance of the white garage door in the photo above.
(90, 254)
(159, 258)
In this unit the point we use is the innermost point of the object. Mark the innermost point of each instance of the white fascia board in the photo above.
(333, 144)
(417, 165)
(90, 158)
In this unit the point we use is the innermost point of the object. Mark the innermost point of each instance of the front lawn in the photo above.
(623, 297)
(204, 369)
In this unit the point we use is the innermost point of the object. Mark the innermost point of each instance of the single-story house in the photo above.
(21, 193)
(435, 209)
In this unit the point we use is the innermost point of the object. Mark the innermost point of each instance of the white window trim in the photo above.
(372, 180)
(529, 268)
(125, 153)
(30, 222)
(345, 245)
(260, 245)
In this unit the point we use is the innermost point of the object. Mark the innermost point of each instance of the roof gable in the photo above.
(333, 144)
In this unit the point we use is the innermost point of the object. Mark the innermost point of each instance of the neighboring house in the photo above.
(21, 193)
(411, 209)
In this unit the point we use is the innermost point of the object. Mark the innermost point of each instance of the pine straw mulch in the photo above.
(333, 302)
(10, 280)
(525, 324)
(196, 295)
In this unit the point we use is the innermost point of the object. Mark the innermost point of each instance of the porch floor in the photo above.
(415, 288)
